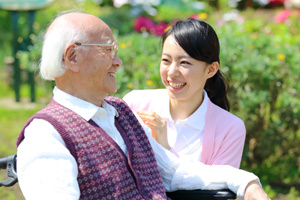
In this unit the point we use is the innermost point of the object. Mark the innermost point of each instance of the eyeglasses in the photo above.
(114, 47)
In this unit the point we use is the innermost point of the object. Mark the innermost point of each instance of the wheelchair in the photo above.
(9, 163)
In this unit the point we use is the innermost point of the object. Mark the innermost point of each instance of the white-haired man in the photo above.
(85, 145)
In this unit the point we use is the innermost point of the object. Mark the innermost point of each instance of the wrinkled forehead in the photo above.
(95, 30)
(102, 35)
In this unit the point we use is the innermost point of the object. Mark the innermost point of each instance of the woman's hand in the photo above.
(158, 126)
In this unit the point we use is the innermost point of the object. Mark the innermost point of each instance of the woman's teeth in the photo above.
(176, 85)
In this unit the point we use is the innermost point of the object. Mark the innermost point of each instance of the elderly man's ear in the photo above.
(70, 59)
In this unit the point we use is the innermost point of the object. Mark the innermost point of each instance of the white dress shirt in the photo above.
(47, 170)
(184, 136)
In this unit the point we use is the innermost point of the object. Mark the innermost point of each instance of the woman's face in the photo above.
(183, 76)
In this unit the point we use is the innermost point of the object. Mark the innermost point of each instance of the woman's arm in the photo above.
(229, 148)
(186, 174)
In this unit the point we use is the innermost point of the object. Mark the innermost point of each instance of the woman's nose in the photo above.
(173, 70)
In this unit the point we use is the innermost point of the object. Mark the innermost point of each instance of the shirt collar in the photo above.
(194, 120)
(197, 119)
(83, 108)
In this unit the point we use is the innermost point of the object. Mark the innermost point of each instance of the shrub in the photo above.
(140, 54)
(262, 65)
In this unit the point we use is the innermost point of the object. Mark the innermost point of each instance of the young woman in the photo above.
(190, 117)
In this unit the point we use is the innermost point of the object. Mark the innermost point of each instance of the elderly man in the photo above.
(85, 145)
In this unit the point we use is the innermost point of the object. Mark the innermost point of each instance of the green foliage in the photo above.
(5, 36)
(271, 193)
(6, 90)
(140, 54)
(169, 13)
(261, 63)
(262, 66)
(294, 194)
(121, 21)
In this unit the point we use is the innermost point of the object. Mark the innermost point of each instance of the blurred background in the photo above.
(260, 46)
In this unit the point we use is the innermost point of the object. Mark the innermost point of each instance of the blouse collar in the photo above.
(195, 120)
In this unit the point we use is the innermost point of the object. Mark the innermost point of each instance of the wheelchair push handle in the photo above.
(3, 162)
(9, 163)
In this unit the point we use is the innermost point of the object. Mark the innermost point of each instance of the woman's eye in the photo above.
(185, 63)
(164, 60)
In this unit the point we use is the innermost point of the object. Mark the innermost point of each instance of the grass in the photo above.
(11, 122)
(13, 116)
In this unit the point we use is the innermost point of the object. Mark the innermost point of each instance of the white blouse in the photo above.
(184, 136)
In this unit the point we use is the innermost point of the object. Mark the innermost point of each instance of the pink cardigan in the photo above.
(224, 133)
(224, 137)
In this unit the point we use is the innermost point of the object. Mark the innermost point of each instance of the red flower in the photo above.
(160, 28)
(277, 2)
(143, 23)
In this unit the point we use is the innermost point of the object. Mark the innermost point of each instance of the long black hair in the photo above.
(201, 42)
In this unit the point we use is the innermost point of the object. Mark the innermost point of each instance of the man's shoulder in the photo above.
(115, 102)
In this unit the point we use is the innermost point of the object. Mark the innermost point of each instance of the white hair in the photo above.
(59, 35)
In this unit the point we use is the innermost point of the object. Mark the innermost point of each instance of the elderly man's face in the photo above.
(99, 68)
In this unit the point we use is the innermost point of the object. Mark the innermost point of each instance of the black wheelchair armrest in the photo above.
(202, 195)
(9, 163)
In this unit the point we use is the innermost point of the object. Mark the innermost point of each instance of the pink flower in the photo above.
(194, 16)
(220, 22)
(160, 28)
(143, 23)
(240, 20)
(282, 16)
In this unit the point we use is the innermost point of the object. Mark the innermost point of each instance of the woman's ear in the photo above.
(70, 58)
(212, 69)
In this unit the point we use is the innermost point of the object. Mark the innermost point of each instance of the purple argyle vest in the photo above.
(104, 171)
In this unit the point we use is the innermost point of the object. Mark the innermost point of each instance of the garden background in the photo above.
(260, 46)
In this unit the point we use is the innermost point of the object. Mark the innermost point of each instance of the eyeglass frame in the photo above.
(114, 48)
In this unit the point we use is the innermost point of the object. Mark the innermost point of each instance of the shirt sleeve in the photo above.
(46, 169)
(180, 173)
